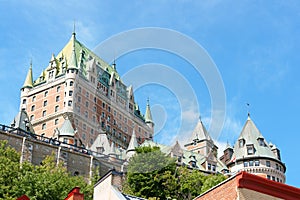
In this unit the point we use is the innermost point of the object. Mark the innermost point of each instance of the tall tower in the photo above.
(252, 153)
(79, 86)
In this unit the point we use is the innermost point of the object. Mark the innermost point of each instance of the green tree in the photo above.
(212, 180)
(152, 174)
(46, 181)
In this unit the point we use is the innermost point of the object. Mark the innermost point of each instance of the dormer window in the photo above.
(250, 149)
(208, 166)
(241, 143)
(261, 142)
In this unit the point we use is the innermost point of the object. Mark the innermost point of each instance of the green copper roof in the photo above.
(251, 136)
(28, 81)
(73, 60)
(22, 121)
(76, 55)
(148, 116)
(67, 129)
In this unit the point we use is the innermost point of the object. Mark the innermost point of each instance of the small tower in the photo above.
(28, 84)
(66, 133)
(200, 141)
(148, 116)
(72, 71)
(251, 153)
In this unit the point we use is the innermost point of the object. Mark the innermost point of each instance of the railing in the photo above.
(53, 141)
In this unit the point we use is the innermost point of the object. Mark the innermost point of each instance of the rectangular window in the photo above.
(256, 163)
(66, 140)
(269, 177)
(69, 103)
(214, 168)
(245, 164)
(241, 143)
(273, 178)
(70, 93)
(87, 104)
(45, 103)
(250, 149)
(44, 113)
(57, 99)
(209, 166)
(268, 164)
(251, 163)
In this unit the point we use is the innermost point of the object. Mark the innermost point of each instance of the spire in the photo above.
(200, 132)
(248, 110)
(28, 81)
(148, 116)
(114, 65)
(133, 142)
(73, 60)
(132, 145)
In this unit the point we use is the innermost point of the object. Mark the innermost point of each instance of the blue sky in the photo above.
(255, 46)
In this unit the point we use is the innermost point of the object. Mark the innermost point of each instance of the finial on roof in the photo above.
(114, 64)
(148, 115)
(74, 32)
(248, 110)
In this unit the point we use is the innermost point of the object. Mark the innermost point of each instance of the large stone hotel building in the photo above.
(80, 88)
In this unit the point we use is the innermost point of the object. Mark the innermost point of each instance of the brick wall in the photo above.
(226, 191)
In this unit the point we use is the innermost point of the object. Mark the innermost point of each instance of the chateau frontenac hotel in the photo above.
(80, 87)
(79, 100)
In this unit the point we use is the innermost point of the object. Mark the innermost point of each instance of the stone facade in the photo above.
(78, 161)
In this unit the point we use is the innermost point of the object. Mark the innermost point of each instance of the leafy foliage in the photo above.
(46, 181)
(152, 174)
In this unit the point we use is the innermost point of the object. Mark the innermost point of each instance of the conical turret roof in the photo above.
(200, 133)
(73, 61)
(251, 136)
(28, 83)
(67, 129)
(148, 115)
(133, 142)
(22, 121)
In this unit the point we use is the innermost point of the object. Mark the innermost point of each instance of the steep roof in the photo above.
(148, 115)
(133, 142)
(200, 132)
(21, 121)
(28, 83)
(101, 141)
(251, 136)
(84, 55)
(67, 129)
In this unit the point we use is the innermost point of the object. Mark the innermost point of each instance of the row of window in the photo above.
(44, 111)
(211, 167)
(273, 178)
(257, 163)
(44, 125)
